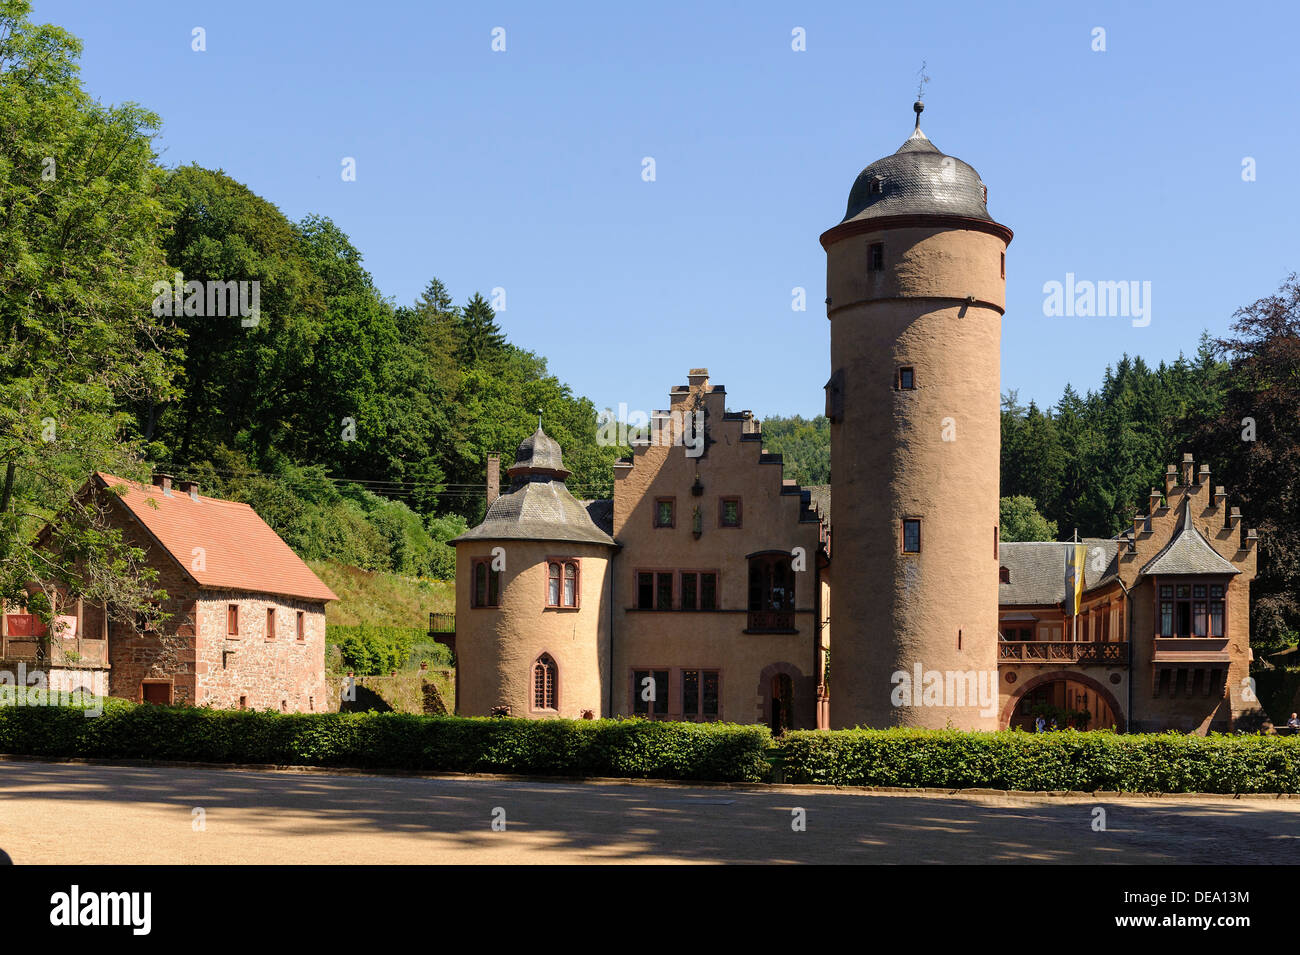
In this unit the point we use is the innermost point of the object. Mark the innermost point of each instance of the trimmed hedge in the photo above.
(1038, 762)
(720, 752)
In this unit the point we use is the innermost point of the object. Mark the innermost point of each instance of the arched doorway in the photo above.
(781, 716)
(1070, 699)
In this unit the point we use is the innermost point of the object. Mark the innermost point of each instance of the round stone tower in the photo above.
(532, 598)
(915, 283)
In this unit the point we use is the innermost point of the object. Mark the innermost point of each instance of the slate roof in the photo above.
(1037, 570)
(820, 495)
(1188, 552)
(538, 505)
(240, 551)
(917, 179)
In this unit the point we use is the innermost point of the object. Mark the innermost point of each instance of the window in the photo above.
(270, 623)
(487, 584)
(700, 694)
(243, 702)
(562, 583)
(232, 620)
(911, 535)
(545, 683)
(995, 542)
(699, 590)
(877, 186)
(1004, 575)
(729, 512)
(771, 592)
(650, 693)
(302, 626)
(1191, 610)
(1004, 265)
(665, 511)
(654, 590)
(876, 257)
(906, 379)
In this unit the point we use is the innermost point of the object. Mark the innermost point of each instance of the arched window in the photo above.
(561, 582)
(545, 683)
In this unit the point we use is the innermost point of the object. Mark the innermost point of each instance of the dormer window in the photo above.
(877, 186)
(1004, 575)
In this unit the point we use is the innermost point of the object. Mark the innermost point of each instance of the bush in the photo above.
(1067, 760)
(372, 650)
(623, 748)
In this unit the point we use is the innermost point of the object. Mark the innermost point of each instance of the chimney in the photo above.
(1139, 523)
(698, 378)
(1203, 477)
(192, 489)
(1220, 495)
(1188, 470)
(1234, 517)
(1171, 479)
(163, 481)
(1154, 498)
(493, 478)
(1252, 538)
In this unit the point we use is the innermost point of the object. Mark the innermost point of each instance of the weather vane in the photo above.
(920, 86)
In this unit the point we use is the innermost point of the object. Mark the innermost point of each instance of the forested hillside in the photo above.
(357, 426)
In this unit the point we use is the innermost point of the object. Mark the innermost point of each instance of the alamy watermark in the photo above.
(33, 689)
(212, 298)
(661, 429)
(1087, 299)
(950, 689)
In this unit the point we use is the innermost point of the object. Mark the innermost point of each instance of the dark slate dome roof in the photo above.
(918, 179)
(538, 505)
(536, 453)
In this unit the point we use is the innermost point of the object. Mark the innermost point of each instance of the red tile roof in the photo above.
(240, 551)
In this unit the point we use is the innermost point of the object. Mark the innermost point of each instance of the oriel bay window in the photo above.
(699, 590)
(561, 582)
(486, 583)
(654, 590)
(1191, 610)
(771, 591)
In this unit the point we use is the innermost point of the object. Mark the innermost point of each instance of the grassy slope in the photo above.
(382, 599)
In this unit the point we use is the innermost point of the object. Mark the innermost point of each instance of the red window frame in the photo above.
(722, 511)
(558, 568)
(270, 623)
(658, 576)
(902, 535)
(490, 597)
(232, 620)
(301, 625)
(545, 690)
(698, 576)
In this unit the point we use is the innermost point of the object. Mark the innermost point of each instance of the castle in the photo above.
(706, 590)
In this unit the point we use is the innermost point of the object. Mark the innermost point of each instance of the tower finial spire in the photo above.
(919, 105)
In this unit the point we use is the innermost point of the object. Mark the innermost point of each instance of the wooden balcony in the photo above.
(1065, 651)
(770, 621)
(24, 637)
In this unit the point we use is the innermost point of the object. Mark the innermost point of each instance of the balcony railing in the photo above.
(770, 620)
(1045, 651)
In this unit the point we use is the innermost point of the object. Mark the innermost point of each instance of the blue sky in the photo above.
(522, 169)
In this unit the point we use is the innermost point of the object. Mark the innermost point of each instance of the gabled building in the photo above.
(245, 617)
(697, 593)
(1162, 636)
